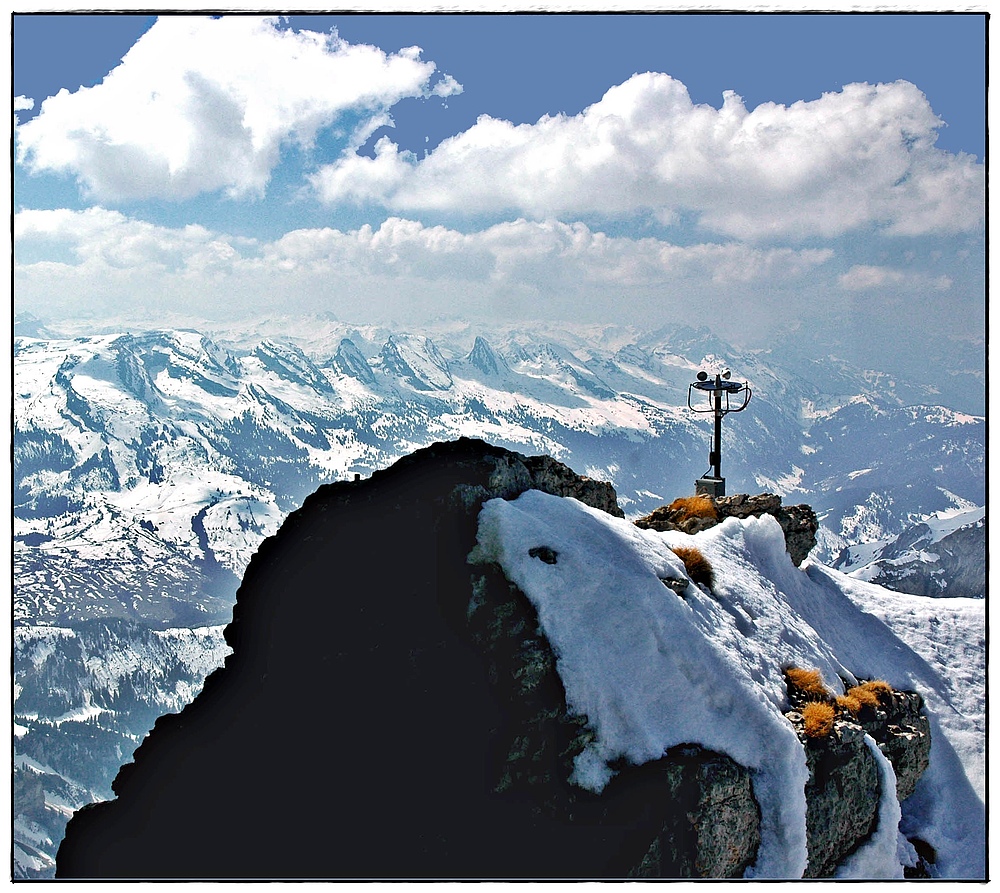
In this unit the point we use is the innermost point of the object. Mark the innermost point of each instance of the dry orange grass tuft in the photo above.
(817, 718)
(694, 507)
(865, 697)
(697, 565)
(866, 694)
(807, 682)
(880, 688)
(849, 703)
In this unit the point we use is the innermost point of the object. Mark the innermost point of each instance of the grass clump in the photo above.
(880, 688)
(817, 718)
(871, 694)
(864, 696)
(849, 704)
(698, 567)
(819, 707)
(694, 507)
(806, 685)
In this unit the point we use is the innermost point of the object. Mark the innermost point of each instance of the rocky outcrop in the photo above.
(842, 796)
(512, 474)
(391, 711)
(843, 791)
(903, 733)
(694, 810)
(798, 522)
(713, 827)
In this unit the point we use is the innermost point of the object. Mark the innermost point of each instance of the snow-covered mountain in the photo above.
(939, 556)
(149, 466)
(498, 677)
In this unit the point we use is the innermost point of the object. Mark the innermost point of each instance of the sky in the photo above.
(762, 174)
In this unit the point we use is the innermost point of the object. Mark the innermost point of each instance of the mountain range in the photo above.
(147, 467)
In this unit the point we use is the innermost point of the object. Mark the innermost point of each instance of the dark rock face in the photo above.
(798, 522)
(391, 711)
(359, 729)
(713, 828)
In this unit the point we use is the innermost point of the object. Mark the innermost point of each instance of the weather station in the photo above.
(723, 395)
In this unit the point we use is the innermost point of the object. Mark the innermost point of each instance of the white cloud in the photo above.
(201, 104)
(548, 254)
(859, 158)
(98, 239)
(446, 87)
(865, 277)
(21, 104)
(68, 260)
(545, 252)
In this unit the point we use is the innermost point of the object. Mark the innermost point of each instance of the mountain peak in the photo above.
(485, 358)
(416, 360)
(350, 361)
(290, 363)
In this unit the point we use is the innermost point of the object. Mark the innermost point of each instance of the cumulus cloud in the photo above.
(201, 104)
(865, 277)
(100, 239)
(541, 262)
(863, 157)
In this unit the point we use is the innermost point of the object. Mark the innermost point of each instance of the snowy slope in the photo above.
(652, 670)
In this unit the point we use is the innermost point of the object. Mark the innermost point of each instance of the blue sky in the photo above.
(823, 171)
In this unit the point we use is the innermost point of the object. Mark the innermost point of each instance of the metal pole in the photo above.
(716, 457)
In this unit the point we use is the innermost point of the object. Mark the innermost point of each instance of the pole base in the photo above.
(710, 487)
